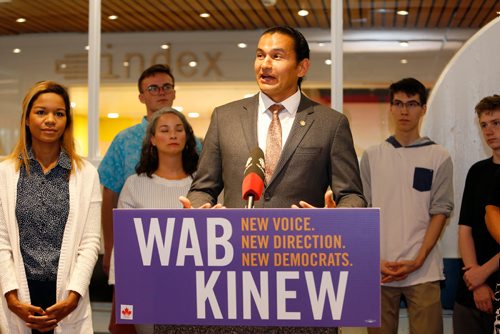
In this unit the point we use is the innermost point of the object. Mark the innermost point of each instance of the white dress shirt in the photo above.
(287, 116)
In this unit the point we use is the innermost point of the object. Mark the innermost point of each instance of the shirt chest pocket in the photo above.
(422, 179)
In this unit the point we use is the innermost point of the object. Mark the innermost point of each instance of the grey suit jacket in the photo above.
(318, 153)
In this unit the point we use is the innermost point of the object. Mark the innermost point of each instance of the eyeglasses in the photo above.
(410, 105)
(155, 90)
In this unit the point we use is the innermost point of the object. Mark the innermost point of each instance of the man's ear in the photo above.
(141, 98)
(303, 67)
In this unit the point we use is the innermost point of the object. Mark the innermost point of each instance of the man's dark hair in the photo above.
(487, 104)
(153, 70)
(409, 86)
(301, 46)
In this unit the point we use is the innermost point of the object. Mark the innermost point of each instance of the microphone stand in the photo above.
(250, 202)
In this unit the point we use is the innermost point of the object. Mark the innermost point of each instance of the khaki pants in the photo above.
(424, 309)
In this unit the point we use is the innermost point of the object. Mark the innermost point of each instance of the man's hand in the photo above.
(398, 270)
(483, 296)
(186, 204)
(474, 276)
(406, 267)
(329, 202)
(390, 272)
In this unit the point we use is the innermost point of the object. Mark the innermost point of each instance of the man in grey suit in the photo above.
(318, 150)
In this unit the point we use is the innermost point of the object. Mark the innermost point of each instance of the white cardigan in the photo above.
(79, 249)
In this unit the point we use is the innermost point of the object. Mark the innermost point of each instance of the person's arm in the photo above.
(467, 246)
(492, 218)
(478, 274)
(329, 202)
(366, 178)
(346, 181)
(109, 202)
(431, 237)
(186, 204)
(388, 270)
(87, 231)
(440, 208)
(86, 228)
(33, 316)
(62, 309)
(207, 183)
(475, 275)
(8, 279)
(112, 173)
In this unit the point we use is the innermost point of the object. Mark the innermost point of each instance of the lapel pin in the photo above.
(302, 123)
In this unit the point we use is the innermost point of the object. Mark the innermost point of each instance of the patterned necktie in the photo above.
(273, 144)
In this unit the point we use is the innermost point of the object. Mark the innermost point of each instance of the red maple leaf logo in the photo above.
(126, 312)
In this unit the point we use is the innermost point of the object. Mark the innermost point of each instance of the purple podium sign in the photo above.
(258, 267)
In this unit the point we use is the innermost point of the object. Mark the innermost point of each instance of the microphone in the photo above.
(253, 180)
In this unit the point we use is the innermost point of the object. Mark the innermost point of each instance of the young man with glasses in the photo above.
(156, 90)
(410, 178)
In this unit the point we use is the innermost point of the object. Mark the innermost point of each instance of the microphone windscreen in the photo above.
(255, 163)
(254, 176)
(253, 185)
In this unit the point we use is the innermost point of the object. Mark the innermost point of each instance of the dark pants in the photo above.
(42, 294)
(470, 320)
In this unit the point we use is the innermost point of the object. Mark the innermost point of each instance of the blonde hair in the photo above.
(67, 139)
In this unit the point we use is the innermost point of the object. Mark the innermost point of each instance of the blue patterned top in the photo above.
(122, 156)
(42, 209)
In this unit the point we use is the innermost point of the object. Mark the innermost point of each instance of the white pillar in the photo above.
(336, 36)
(94, 71)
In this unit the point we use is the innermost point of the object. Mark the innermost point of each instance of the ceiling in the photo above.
(433, 26)
(184, 15)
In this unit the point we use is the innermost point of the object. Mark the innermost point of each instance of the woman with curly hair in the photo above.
(168, 161)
